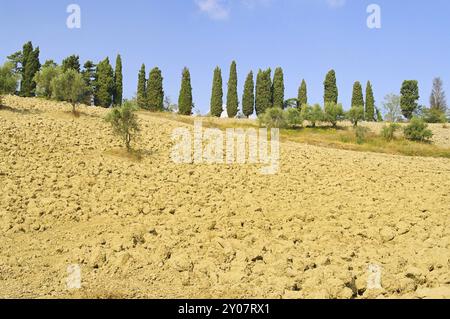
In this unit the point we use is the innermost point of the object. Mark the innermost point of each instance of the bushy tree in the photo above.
(312, 114)
(388, 131)
(217, 94)
(232, 94)
(185, 103)
(273, 117)
(16, 59)
(118, 82)
(370, 103)
(290, 103)
(263, 99)
(331, 89)
(124, 122)
(293, 117)
(333, 113)
(141, 96)
(248, 99)
(438, 100)
(355, 115)
(278, 88)
(379, 116)
(104, 84)
(69, 86)
(418, 130)
(302, 95)
(409, 98)
(44, 79)
(392, 108)
(48, 63)
(357, 96)
(434, 115)
(155, 91)
(8, 80)
(71, 62)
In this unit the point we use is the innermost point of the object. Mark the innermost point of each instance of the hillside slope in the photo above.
(152, 228)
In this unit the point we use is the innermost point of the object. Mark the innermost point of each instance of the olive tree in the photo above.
(124, 122)
(8, 80)
(333, 113)
(356, 115)
(44, 80)
(70, 87)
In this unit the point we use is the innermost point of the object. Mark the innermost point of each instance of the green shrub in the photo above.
(312, 114)
(355, 115)
(44, 80)
(417, 130)
(8, 80)
(333, 113)
(433, 115)
(293, 117)
(70, 87)
(388, 131)
(361, 134)
(273, 117)
(124, 122)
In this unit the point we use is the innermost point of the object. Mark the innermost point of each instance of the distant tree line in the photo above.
(92, 84)
(102, 85)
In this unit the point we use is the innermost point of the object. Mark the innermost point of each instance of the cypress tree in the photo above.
(141, 89)
(118, 82)
(104, 84)
(185, 102)
(30, 66)
(278, 88)
(409, 98)
(370, 103)
(357, 96)
(232, 94)
(71, 63)
(155, 91)
(24, 57)
(33, 67)
(248, 99)
(217, 94)
(302, 95)
(88, 75)
(263, 91)
(331, 90)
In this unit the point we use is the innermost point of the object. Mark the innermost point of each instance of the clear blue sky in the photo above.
(305, 37)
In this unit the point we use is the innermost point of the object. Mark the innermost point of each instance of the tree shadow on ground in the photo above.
(135, 155)
(19, 111)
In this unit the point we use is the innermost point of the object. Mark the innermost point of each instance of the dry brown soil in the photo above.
(151, 228)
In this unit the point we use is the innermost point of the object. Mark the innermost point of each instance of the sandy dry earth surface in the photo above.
(152, 228)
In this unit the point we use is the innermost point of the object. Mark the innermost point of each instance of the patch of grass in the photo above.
(346, 139)
(327, 136)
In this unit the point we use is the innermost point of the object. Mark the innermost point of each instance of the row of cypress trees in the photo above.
(358, 100)
(270, 94)
(105, 86)
(267, 93)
